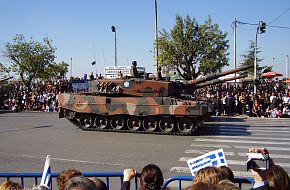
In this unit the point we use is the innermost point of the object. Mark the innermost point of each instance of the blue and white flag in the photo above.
(214, 158)
(46, 175)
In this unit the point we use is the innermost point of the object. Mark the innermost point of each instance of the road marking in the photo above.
(229, 133)
(239, 141)
(242, 154)
(236, 162)
(203, 152)
(247, 130)
(272, 155)
(81, 161)
(268, 147)
(239, 147)
(211, 145)
(251, 137)
(252, 128)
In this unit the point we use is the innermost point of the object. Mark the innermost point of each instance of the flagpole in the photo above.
(70, 67)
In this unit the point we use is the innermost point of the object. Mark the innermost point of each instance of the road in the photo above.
(26, 138)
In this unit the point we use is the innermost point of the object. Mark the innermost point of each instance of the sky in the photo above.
(81, 30)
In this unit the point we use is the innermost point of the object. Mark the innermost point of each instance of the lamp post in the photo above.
(273, 61)
(115, 31)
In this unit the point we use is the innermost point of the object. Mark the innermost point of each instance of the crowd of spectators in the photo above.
(272, 99)
(40, 96)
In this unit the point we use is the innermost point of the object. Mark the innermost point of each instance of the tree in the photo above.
(33, 60)
(191, 49)
(3, 70)
(248, 58)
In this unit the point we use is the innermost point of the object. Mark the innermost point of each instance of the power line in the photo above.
(239, 22)
(284, 27)
(279, 16)
(252, 24)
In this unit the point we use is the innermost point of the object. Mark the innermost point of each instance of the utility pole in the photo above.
(255, 61)
(71, 67)
(235, 48)
(287, 67)
(156, 35)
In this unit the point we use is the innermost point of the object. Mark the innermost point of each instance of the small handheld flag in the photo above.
(46, 175)
(213, 158)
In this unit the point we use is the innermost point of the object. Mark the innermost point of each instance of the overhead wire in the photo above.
(279, 16)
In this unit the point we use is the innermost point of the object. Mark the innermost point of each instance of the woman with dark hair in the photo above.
(151, 178)
(278, 178)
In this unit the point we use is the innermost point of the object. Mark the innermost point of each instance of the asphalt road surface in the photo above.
(26, 138)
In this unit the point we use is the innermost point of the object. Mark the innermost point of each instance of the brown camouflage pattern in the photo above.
(130, 105)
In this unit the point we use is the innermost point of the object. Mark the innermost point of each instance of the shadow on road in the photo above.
(225, 126)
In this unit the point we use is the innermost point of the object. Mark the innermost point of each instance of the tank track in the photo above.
(77, 124)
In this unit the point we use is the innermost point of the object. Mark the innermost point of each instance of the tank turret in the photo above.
(138, 105)
(138, 87)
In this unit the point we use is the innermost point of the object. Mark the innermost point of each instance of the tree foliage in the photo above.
(192, 49)
(248, 58)
(3, 70)
(33, 60)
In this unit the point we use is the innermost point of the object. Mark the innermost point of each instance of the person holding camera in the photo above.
(260, 173)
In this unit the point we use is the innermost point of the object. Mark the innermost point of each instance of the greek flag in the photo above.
(213, 158)
(46, 175)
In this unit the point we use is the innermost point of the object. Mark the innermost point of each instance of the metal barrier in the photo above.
(108, 176)
(37, 177)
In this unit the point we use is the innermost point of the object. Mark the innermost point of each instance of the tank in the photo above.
(140, 105)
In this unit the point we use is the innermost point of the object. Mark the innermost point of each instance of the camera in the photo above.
(258, 161)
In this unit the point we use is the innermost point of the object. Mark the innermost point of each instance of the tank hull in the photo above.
(159, 115)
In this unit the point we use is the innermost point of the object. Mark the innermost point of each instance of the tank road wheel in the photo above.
(86, 121)
(101, 122)
(166, 125)
(133, 123)
(117, 122)
(150, 124)
(185, 125)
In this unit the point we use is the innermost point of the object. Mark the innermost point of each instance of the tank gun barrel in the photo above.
(216, 75)
(218, 81)
(1, 80)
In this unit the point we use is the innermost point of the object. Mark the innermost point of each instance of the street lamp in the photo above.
(115, 31)
(273, 61)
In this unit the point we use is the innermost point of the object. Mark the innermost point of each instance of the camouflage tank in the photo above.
(140, 105)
